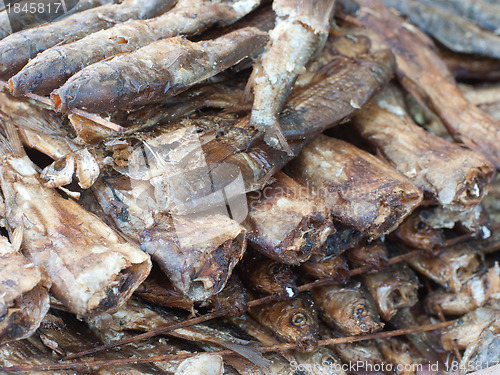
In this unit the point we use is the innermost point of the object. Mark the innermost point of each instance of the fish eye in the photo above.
(328, 360)
(360, 310)
(274, 269)
(421, 225)
(299, 319)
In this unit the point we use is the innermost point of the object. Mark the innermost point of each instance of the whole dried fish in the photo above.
(17, 49)
(11, 20)
(360, 190)
(304, 222)
(275, 73)
(52, 68)
(373, 254)
(456, 33)
(267, 276)
(451, 268)
(91, 266)
(348, 308)
(474, 293)
(154, 72)
(447, 173)
(333, 267)
(24, 291)
(293, 321)
(392, 289)
(426, 77)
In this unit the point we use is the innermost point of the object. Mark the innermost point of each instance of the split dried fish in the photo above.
(91, 266)
(17, 49)
(275, 73)
(304, 222)
(360, 190)
(52, 68)
(154, 72)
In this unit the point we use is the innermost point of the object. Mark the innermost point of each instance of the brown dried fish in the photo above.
(275, 73)
(392, 289)
(52, 68)
(474, 293)
(24, 291)
(17, 49)
(92, 267)
(448, 174)
(470, 67)
(294, 321)
(399, 353)
(267, 276)
(333, 267)
(425, 76)
(360, 190)
(373, 254)
(348, 308)
(304, 222)
(154, 72)
(483, 353)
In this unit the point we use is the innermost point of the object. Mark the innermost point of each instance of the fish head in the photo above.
(416, 233)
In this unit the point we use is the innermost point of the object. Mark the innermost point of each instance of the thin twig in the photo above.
(262, 349)
(220, 313)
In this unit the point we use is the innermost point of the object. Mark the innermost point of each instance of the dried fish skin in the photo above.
(301, 30)
(448, 174)
(91, 267)
(304, 221)
(348, 308)
(25, 294)
(451, 268)
(199, 269)
(474, 294)
(360, 190)
(293, 321)
(17, 49)
(456, 33)
(373, 254)
(426, 77)
(392, 289)
(333, 267)
(267, 276)
(483, 353)
(154, 72)
(470, 67)
(50, 69)
(467, 329)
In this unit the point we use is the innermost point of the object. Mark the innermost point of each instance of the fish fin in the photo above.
(10, 144)
(17, 238)
(274, 137)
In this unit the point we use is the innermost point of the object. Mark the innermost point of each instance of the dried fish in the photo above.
(24, 291)
(343, 239)
(470, 67)
(293, 321)
(304, 222)
(233, 298)
(398, 352)
(456, 33)
(321, 361)
(373, 254)
(207, 364)
(267, 276)
(17, 49)
(392, 289)
(348, 308)
(451, 268)
(333, 267)
(448, 174)
(483, 353)
(360, 190)
(475, 293)
(52, 68)
(426, 77)
(468, 328)
(12, 22)
(275, 73)
(91, 266)
(154, 72)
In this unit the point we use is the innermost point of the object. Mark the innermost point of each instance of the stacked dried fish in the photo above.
(220, 186)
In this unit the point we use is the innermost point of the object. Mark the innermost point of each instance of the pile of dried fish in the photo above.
(243, 187)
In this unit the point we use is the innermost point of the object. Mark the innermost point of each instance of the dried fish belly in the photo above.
(91, 266)
(154, 72)
(52, 68)
(17, 49)
(303, 227)
(24, 290)
(360, 190)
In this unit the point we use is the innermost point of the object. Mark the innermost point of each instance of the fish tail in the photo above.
(10, 143)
